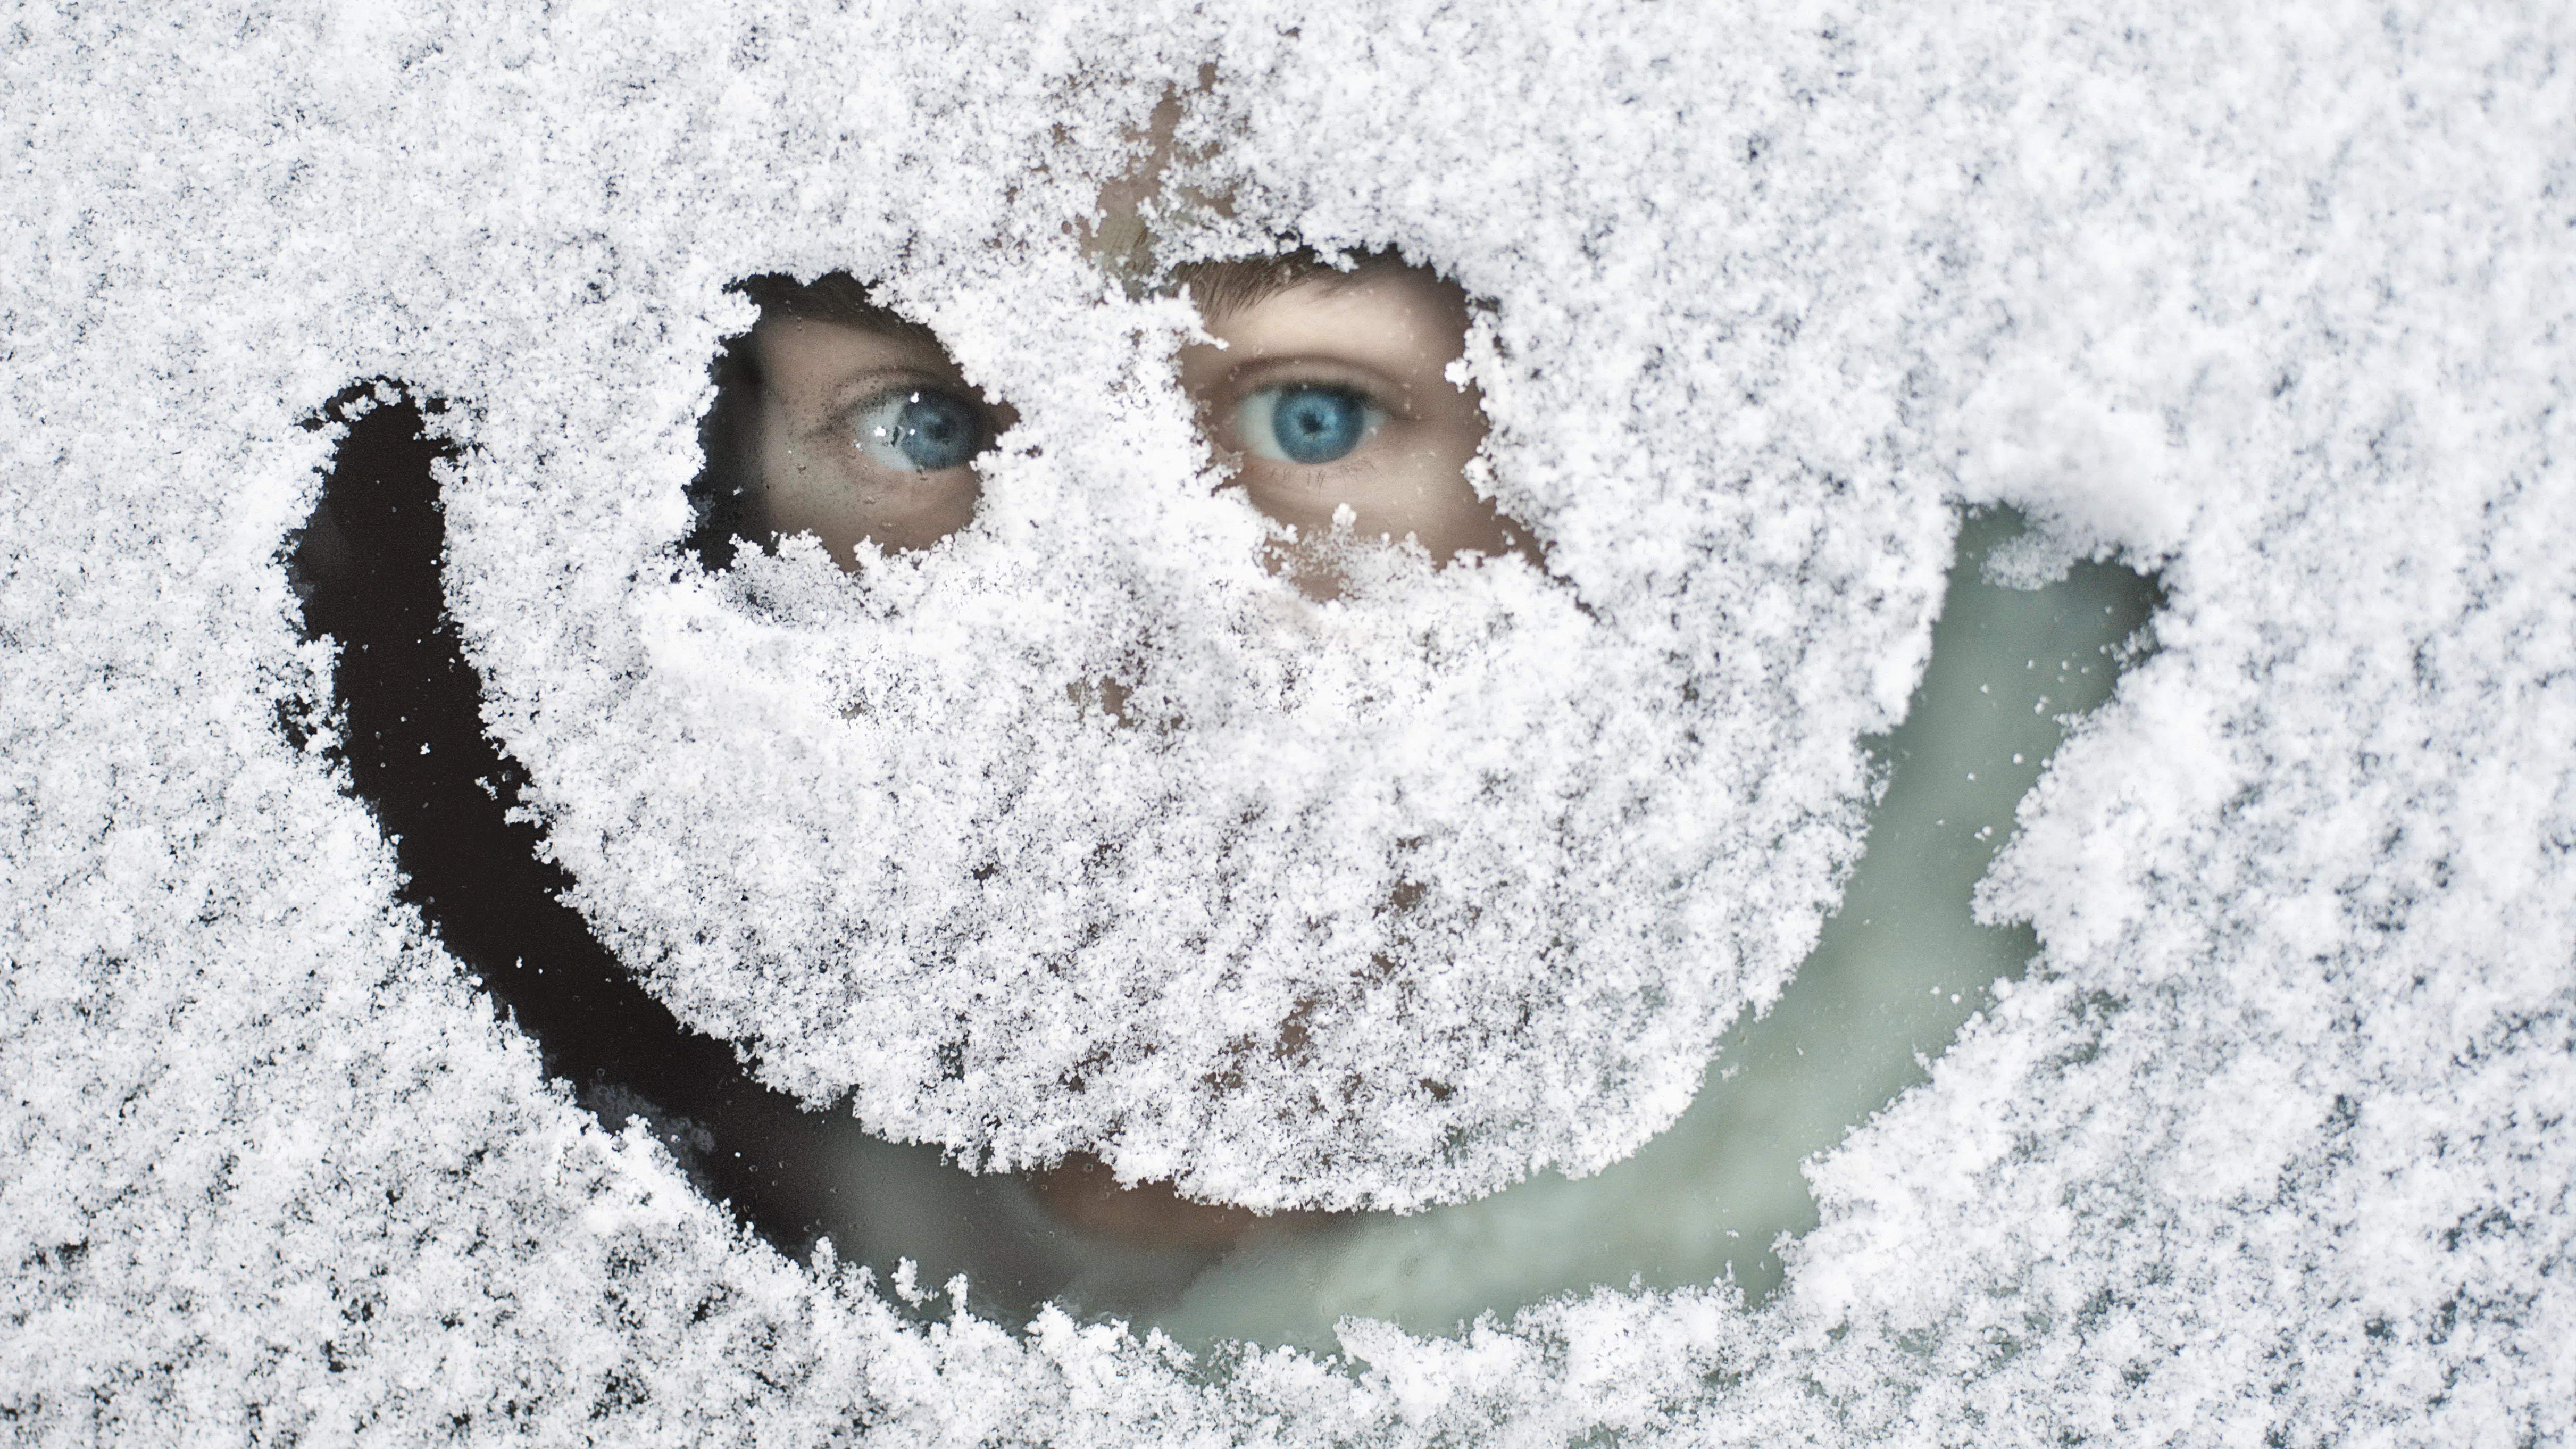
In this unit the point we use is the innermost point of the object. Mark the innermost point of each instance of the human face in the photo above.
(1328, 394)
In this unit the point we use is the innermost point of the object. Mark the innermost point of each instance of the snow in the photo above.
(2269, 1143)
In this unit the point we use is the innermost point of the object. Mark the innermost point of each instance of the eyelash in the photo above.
(1327, 419)
(876, 427)
(895, 427)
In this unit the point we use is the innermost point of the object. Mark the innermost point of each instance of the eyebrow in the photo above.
(836, 297)
(1220, 288)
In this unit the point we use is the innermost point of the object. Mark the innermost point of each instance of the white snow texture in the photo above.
(2269, 1147)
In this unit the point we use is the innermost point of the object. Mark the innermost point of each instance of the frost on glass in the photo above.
(2268, 1144)
(1082, 829)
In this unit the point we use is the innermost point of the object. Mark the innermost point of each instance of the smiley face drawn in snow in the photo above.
(1706, 1198)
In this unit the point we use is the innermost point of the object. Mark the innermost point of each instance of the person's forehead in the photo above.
(1396, 308)
(799, 354)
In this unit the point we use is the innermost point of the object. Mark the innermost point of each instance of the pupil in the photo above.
(1316, 425)
(935, 432)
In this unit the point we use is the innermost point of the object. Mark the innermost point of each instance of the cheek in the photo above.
(1436, 458)
(794, 492)
(786, 499)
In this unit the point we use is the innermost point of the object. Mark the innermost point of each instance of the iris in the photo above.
(916, 430)
(1306, 423)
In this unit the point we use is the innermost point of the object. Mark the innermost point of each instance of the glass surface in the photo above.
(1896, 972)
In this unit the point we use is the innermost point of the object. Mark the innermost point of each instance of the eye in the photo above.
(920, 430)
(1306, 422)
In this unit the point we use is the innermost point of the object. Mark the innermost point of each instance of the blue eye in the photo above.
(1306, 422)
(916, 430)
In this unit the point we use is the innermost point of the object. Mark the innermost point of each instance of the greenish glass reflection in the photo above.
(1896, 971)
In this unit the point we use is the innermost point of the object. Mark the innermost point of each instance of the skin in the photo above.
(1387, 332)
(1085, 1195)
(817, 377)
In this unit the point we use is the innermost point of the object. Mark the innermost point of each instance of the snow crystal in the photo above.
(2268, 1143)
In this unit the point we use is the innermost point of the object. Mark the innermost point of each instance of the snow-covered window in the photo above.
(2107, 470)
